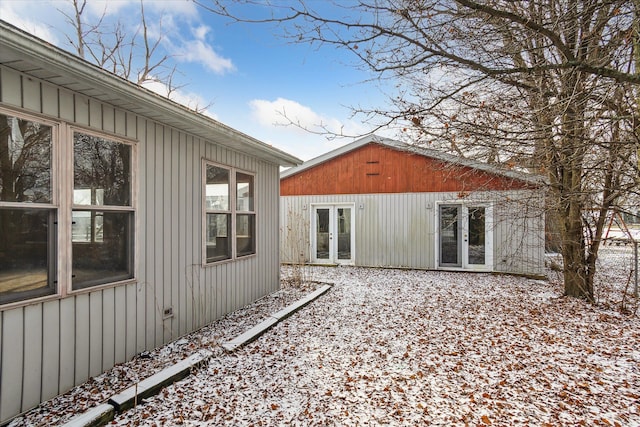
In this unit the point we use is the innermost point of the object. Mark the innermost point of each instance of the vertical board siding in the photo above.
(33, 354)
(121, 305)
(66, 105)
(67, 344)
(12, 358)
(108, 322)
(81, 339)
(10, 87)
(81, 109)
(31, 95)
(399, 230)
(156, 198)
(51, 346)
(131, 326)
(174, 278)
(49, 101)
(96, 330)
(47, 348)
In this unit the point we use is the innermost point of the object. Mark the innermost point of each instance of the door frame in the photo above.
(489, 225)
(333, 230)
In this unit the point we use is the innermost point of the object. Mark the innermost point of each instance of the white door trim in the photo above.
(464, 264)
(333, 257)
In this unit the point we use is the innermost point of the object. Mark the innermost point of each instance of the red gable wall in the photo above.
(374, 168)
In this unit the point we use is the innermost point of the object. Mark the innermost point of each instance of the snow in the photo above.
(401, 347)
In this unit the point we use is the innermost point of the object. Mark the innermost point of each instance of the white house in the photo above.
(381, 203)
(126, 220)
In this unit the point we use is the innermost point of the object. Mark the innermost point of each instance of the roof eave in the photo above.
(43, 54)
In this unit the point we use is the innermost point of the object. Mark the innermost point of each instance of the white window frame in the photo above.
(233, 212)
(53, 205)
(132, 208)
(62, 186)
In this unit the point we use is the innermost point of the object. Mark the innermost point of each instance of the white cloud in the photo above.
(18, 14)
(200, 52)
(176, 7)
(293, 116)
(201, 32)
(188, 99)
(298, 129)
(110, 7)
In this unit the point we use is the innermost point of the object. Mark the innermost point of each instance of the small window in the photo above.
(244, 191)
(218, 216)
(245, 216)
(230, 219)
(27, 214)
(102, 219)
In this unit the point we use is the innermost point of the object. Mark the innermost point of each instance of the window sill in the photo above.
(58, 296)
(228, 260)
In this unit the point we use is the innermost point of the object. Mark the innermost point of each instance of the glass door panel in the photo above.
(344, 233)
(450, 247)
(465, 239)
(322, 248)
(332, 234)
(476, 243)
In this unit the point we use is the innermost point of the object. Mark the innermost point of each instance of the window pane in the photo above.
(87, 226)
(322, 233)
(102, 255)
(449, 235)
(217, 188)
(244, 191)
(477, 247)
(245, 234)
(218, 244)
(344, 233)
(25, 160)
(101, 171)
(27, 266)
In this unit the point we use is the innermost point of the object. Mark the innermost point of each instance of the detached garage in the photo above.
(126, 220)
(381, 203)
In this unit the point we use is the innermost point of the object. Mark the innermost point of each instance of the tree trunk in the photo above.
(573, 254)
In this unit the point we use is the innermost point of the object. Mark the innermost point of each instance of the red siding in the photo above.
(374, 168)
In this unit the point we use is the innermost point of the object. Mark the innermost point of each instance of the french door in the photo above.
(465, 239)
(332, 234)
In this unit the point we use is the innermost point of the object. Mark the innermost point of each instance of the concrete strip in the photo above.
(94, 417)
(261, 327)
(150, 386)
(289, 310)
(250, 334)
(102, 414)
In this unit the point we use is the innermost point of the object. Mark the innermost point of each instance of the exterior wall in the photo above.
(374, 168)
(47, 347)
(399, 230)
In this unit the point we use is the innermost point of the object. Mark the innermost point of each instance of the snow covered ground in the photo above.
(395, 347)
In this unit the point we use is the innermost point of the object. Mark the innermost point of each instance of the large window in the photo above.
(102, 226)
(60, 196)
(229, 215)
(27, 209)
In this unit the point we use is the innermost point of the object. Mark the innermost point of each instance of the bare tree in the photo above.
(548, 86)
(132, 54)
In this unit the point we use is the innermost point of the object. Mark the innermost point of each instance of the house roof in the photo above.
(35, 57)
(401, 146)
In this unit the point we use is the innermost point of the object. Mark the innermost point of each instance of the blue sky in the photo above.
(245, 73)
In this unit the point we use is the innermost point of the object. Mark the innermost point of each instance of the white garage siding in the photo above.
(399, 229)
